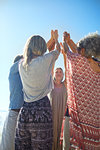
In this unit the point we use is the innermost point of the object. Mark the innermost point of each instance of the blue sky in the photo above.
(20, 19)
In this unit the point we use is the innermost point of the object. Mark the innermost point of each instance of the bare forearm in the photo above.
(72, 45)
(65, 65)
(51, 44)
(65, 46)
(57, 45)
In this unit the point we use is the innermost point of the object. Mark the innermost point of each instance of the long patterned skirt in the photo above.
(34, 130)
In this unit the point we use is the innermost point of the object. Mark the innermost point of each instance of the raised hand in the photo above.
(55, 35)
(66, 36)
(71, 44)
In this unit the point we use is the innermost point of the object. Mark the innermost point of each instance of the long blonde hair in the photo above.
(35, 46)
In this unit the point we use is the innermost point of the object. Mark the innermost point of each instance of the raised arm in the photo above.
(55, 36)
(65, 65)
(70, 42)
(64, 49)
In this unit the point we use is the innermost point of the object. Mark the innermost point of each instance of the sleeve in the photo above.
(73, 58)
(49, 59)
(52, 56)
(14, 68)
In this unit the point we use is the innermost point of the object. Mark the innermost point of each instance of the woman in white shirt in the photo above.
(34, 130)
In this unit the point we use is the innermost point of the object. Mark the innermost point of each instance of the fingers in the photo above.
(66, 33)
(52, 34)
(55, 35)
(56, 32)
(66, 36)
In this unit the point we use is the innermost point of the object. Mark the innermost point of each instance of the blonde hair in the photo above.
(35, 46)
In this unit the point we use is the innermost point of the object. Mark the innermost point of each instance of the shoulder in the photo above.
(14, 67)
(75, 58)
(51, 54)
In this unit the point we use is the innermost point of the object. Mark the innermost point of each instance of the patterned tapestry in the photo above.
(83, 86)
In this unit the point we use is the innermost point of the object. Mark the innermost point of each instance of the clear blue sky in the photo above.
(20, 19)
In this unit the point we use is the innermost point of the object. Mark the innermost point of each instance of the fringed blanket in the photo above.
(83, 87)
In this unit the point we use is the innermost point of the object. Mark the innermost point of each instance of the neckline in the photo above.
(58, 86)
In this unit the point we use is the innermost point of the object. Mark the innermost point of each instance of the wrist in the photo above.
(56, 41)
(52, 39)
(68, 41)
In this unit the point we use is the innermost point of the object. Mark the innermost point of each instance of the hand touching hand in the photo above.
(55, 35)
(66, 36)
(71, 44)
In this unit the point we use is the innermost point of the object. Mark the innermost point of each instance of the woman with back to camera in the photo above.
(83, 84)
(34, 130)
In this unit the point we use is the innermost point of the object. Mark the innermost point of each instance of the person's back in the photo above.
(16, 102)
(37, 80)
(83, 83)
(35, 119)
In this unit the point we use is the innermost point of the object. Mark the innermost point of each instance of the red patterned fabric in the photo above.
(83, 87)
